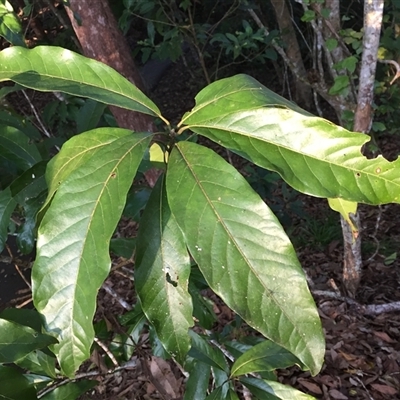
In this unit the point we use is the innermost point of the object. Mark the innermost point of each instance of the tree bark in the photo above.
(100, 38)
(303, 93)
(373, 12)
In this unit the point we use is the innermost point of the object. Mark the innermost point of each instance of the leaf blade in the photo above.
(52, 68)
(78, 225)
(162, 274)
(242, 250)
(311, 154)
(265, 356)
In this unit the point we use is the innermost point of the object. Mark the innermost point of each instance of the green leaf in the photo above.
(26, 234)
(16, 149)
(202, 308)
(16, 341)
(231, 395)
(76, 152)
(136, 202)
(7, 206)
(216, 394)
(23, 316)
(346, 210)
(123, 247)
(197, 384)
(265, 356)
(70, 391)
(308, 16)
(8, 118)
(14, 386)
(73, 241)
(38, 362)
(10, 26)
(270, 390)
(242, 251)
(50, 68)
(30, 184)
(311, 154)
(350, 63)
(201, 350)
(89, 115)
(331, 44)
(162, 274)
(341, 83)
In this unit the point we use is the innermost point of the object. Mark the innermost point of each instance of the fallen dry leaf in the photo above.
(335, 394)
(312, 387)
(163, 378)
(384, 336)
(384, 389)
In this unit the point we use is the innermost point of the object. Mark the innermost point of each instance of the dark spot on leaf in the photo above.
(169, 280)
(358, 174)
(113, 175)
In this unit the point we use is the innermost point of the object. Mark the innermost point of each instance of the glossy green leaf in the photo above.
(124, 247)
(7, 206)
(16, 341)
(203, 351)
(10, 25)
(270, 390)
(265, 356)
(50, 68)
(73, 241)
(242, 251)
(162, 270)
(76, 152)
(23, 316)
(26, 234)
(38, 362)
(231, 395)
(312, 155)
(10, 118)
(14, 386)
(202, 308)
(70, 391)
(136, 202)
(30, 184)
(16, 148)
(89, 115)
(216, 395)
(221, 380)
(197, 384)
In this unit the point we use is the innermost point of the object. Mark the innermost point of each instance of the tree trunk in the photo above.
(100, 38)
(303, 93)
(373, 11)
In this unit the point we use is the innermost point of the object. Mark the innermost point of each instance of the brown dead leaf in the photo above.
(384, 389)
(335, 394)
(384, 336)
(312, 387)
(162, 377)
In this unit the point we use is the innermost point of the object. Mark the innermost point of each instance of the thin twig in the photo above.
(17, 268)
(107, 351)
(362, 384)
(128, 365)
(373, 236)
(44, 129)
(116, 296)
(397, 66)
(24, 303)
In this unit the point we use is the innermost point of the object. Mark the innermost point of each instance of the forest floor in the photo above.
(362, 359)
